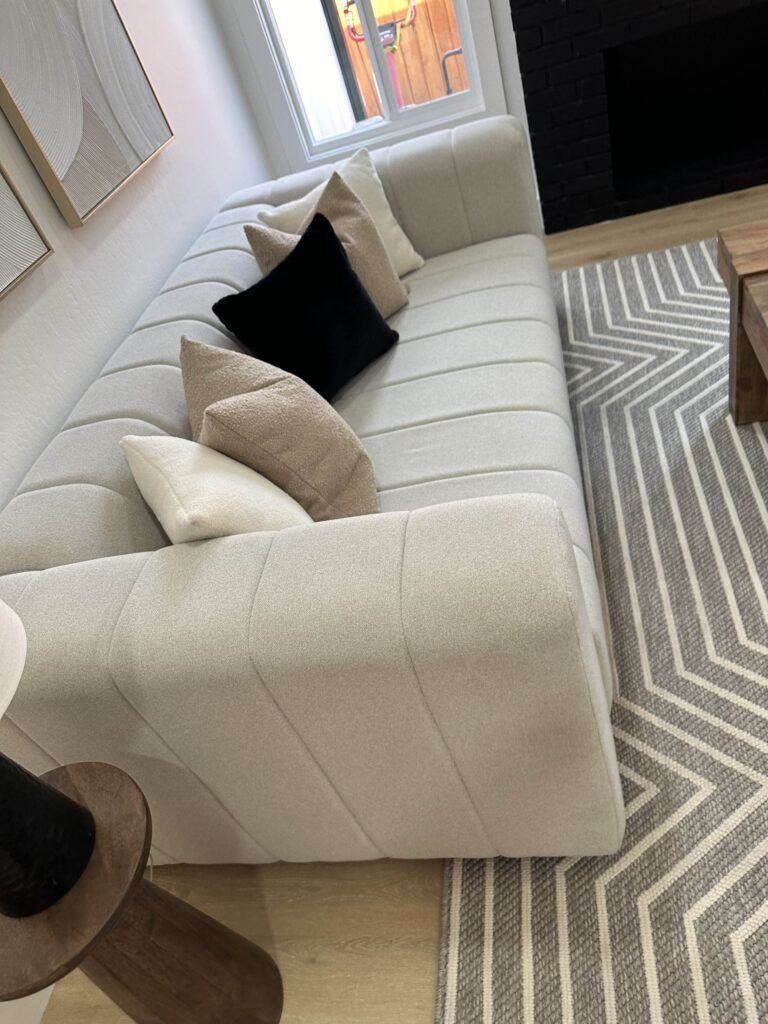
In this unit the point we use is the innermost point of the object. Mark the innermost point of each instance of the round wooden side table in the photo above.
(159, 959)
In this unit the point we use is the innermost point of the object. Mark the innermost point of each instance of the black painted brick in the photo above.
(575, 70)
(595, 146)
(561, 172)
(599, 163)
(703, 9)
(662, 21)
(560, 43)
(596, 42)
(588, 183)
(535, 81)
(529, 38)
(553, 97)
(545, 56)
(579, 111)
(592, 86)
(624, 10)
(554, 222)
(536, 14)
(550, 190)
(573, 25)
(596, 126)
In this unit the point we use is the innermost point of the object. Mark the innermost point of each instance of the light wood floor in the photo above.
(357, 943)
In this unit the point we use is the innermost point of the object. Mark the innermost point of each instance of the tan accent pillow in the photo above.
(281, 427)
(360, 173)
(357, 233)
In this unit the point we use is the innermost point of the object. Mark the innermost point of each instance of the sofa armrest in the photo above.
(407, 684)
(464, 185)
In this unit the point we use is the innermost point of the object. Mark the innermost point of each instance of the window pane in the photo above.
(317, 50)
(422, 46)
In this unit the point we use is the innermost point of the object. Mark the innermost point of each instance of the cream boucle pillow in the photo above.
(356, 232)
(275, 423)
(197, 493)
(360, 174)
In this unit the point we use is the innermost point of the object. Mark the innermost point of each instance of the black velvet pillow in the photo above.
(310, 315)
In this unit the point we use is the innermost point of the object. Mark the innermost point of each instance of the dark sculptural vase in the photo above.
(46, 841)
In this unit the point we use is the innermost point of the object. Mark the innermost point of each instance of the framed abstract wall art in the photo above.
(23, 246)
(76, 94)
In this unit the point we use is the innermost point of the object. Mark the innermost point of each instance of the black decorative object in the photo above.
(691, 68)
(46, 841)
(311, 315)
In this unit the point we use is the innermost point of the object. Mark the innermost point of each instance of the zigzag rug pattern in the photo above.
(674, 928)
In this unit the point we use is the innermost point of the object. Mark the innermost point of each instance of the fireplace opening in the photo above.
(688, 107)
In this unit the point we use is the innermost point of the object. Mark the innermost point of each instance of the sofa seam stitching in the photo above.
(426, 704)
(110, 419)
(170, 289)
(479, 323)
(444, 373)
(77, 483)
(464, 416)
(461, 188)
(156, 732)
(302, 741)
(476, 291)
(136, 366)
(560, 531)
(417, 276)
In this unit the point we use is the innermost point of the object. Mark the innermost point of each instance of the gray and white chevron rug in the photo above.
(674, 928)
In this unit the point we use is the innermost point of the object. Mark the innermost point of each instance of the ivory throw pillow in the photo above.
(276, 424)
(197, 493)
(361, 176)
(357, 233)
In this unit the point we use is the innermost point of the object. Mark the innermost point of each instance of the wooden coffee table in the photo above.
(743, 263)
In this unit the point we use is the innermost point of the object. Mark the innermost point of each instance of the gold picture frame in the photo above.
(18, 248)
(105, 141)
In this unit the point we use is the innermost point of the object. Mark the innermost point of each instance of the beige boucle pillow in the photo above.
(359, 172)
(278, 425)
(357, 233)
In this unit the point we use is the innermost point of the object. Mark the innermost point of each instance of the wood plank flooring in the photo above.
(357, 943)
(659, 229)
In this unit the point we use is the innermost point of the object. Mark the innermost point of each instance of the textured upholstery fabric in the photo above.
(473, 399)
(276, 424)
(360, 174)
(198, 493)
(448, 190)
(447, 703)
(357, 233)
(430, 681)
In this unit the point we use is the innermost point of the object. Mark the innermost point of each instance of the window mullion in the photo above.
(378, 58)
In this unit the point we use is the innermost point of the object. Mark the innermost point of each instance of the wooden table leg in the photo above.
(748, 386)
(165, 962)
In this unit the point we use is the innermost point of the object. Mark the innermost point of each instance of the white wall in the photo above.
(58, 327)
(510, 65)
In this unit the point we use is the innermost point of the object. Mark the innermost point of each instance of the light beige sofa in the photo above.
(431, 681)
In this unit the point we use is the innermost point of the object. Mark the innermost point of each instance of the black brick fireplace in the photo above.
(638, 104)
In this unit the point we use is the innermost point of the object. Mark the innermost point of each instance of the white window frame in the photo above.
(280, 114)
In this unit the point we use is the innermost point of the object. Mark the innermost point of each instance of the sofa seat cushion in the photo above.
(473, 400)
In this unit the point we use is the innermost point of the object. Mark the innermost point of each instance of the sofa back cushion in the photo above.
(79, 500)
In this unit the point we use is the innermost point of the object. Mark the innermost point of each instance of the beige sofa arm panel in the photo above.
(463, 185)
(408, 684)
